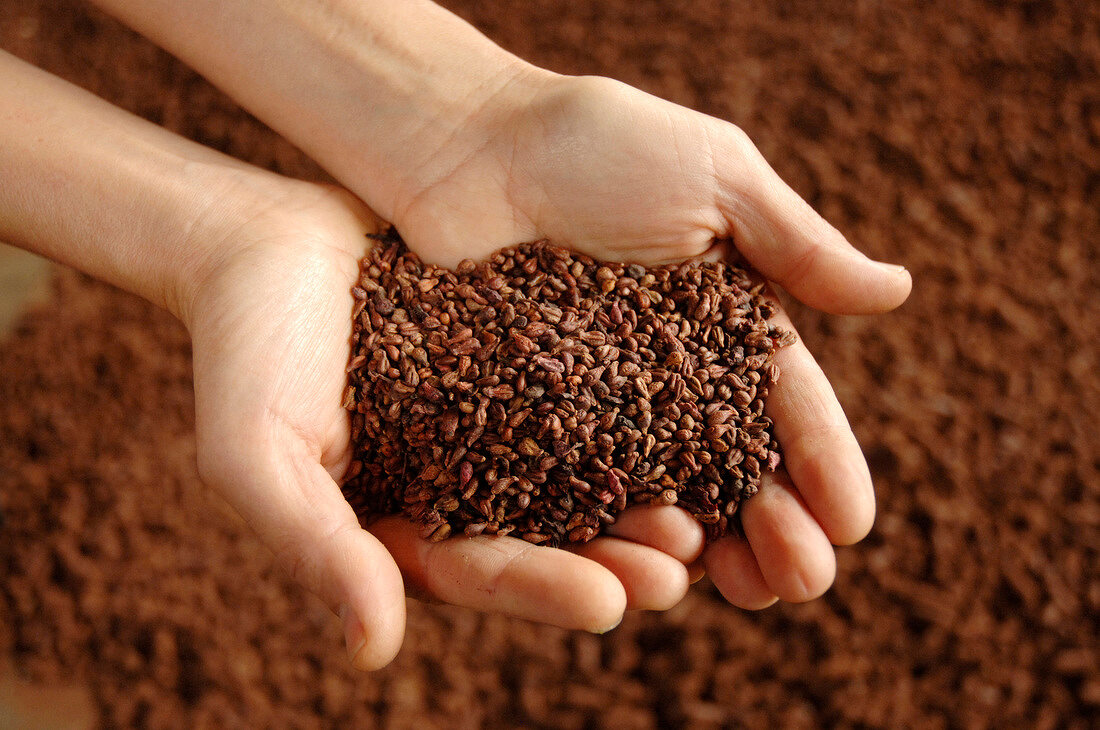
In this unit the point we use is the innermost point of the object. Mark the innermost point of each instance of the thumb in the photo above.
(787, 241)
(297, 509)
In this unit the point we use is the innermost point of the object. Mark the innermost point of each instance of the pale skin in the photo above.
(465, 148)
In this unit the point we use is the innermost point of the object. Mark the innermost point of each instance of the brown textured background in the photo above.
(961, 138)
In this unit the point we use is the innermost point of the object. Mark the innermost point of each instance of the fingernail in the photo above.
(354, 637)
(612, 627)
(696, 571)
(895, 269)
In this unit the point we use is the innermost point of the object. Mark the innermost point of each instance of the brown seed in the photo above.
(613, 482)
(641, 384)
(582, 534)
(500, 392)
(440, 533)
(431, 393)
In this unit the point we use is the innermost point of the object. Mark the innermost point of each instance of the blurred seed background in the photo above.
(959, 137)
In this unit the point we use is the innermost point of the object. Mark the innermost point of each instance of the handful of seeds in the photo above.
(541, 392)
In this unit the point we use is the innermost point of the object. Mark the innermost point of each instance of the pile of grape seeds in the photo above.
(541, 392)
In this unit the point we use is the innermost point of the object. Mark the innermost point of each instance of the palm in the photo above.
(638, 187)
(608, 170)
(271, 332)
(648, 191)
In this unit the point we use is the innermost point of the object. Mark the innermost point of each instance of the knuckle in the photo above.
(800, 263)
(306, 557)
(291, 557)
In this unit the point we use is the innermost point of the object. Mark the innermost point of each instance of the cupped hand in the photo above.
(603, 168)
(270, 319)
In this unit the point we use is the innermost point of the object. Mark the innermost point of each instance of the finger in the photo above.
(696, 571)
(783, 237)
(508, 575)
(297, 509)
(652, 579)
(820, 452)
(733, 569)
(795, 558)
(668, 529)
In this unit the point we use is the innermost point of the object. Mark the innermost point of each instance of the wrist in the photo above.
(93, 187)
(235, 212)
(380, 94)
(210, 221)
(455, 129)
(384, 95)
(116, 197)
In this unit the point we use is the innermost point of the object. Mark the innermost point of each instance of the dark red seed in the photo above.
(573, 388)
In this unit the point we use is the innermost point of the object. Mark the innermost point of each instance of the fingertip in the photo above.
(858, 517)
(890, 285)
(696, 571)
(790, 243)
(610, 627)
(794, 555)
(810, 577)
(508, 575)
(813, 579)
(374, 612)
(317, 539)
(606, 601)
(365, 655)
(553, 586)
(840, 279)
(734, 571)
(905, 287)
(838, 491)
(820, 452)
(669, 529)
(651, 579)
